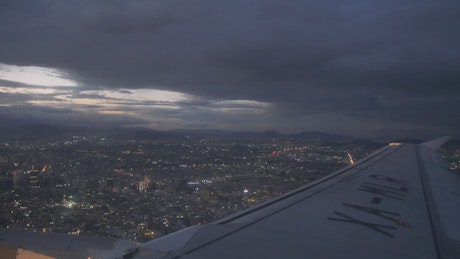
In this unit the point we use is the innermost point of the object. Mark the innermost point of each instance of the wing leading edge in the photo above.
(401, 201)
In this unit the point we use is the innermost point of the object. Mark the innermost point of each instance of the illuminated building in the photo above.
(144, 184)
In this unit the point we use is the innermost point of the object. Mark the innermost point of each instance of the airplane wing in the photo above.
(402, 201)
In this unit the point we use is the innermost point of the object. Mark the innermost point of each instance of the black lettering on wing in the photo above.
(376, 227)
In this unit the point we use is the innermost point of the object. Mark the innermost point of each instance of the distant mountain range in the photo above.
(47, 130)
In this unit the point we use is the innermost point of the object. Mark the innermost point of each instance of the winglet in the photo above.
(436, 143)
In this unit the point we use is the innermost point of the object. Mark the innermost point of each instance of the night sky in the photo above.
(361, 68)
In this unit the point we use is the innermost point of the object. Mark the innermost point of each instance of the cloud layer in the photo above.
(353, 66)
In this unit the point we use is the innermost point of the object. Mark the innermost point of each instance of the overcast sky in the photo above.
(363, 68)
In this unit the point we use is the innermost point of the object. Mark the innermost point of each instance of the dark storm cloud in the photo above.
(356, 58)
(32, 114)
(13, 99)
(11, 84)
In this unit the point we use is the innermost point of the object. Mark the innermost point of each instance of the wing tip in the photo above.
(436, 143)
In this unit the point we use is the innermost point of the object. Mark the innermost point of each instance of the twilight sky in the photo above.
(362, 68)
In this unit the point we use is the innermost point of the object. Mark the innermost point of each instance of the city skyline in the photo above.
(357, 68)
(133, 187)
